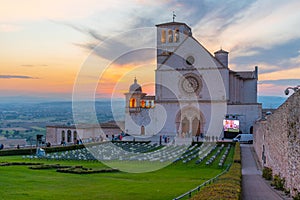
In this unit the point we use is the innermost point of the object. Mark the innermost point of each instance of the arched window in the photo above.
(152, 104)
(170, 36)
(75, 136)
(63, 136)
(176, 35)
(163, 36)
(147, 104)
(251, 130)
(69, 135)
(132, 103)
(142, 102)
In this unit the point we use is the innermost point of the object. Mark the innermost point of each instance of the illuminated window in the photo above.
(170, 36)
(132, 103)
(176, 35)
(163, 36)
(152, 104)
(142, 102)
(148, 104)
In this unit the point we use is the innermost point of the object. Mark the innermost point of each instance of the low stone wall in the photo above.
(277, 142)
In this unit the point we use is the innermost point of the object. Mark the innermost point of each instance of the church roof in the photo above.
(221, 51)
(246, 75)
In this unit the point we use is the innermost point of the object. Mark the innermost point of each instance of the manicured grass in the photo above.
(20, 182)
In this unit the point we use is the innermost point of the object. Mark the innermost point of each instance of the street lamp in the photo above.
(286, 91)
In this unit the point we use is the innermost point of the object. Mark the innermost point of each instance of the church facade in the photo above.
(195, 91)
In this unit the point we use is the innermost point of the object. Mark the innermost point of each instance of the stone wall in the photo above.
(277, 142)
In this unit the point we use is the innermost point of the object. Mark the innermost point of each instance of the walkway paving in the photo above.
(254, 186)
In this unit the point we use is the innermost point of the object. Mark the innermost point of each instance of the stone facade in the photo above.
(277, 142)
(61, 134)
(194, 90)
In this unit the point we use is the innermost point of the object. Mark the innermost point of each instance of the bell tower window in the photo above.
(170, 36)
(132, 103)
(176, 35)
(163, 36)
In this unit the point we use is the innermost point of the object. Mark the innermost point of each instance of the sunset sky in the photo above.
(44, 44)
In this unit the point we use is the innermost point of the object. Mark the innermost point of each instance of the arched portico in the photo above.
(190, 122)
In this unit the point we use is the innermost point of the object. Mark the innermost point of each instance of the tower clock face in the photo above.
(190, 84)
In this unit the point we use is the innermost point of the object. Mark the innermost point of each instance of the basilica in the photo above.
(195, 91)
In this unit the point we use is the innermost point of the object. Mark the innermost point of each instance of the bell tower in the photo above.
(169, 36)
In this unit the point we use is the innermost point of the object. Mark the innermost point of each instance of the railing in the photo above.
(189, 193)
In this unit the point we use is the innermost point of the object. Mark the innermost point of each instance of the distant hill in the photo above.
(267, 101)
(271, 101)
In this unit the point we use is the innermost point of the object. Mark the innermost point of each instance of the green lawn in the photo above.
(20, 182)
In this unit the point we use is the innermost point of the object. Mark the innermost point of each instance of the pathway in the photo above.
(254, 186)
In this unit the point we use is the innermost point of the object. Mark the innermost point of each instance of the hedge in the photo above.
(29, 151)
(227, 186)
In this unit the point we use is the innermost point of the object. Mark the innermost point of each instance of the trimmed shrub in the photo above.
(18, 163)
(83, 170)
(237, 154)
(267, 173)
(278, 182)
(297, 196)
(55, 166)
(227, 186)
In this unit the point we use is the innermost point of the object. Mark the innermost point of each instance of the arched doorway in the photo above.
(69, 136)
(75, 136)
(142, 130)
(251, 130)
(190, 120)
(185, 125)
(63, 136)
(196, 127)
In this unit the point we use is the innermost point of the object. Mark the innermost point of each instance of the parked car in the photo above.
(244, 138)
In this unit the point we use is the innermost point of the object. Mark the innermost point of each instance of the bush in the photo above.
(55, 166)
(227, 186)
(267, 173)
(17, 163)
(237, 154)
(278, 182)
(83, 170)
(297, 196)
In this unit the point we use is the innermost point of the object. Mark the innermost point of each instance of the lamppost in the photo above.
(286, 91)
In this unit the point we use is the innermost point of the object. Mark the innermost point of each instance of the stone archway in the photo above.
(190, 120)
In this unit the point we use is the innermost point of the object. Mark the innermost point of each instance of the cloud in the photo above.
(28, 65)
(242, 26)
(16, 77)
(56, 9)
(9, 28)
(133, 46)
